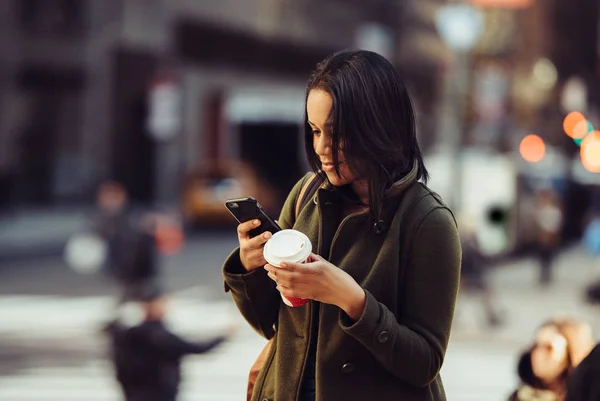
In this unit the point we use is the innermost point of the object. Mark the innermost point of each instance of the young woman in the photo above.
(384, 275)
(545, 369)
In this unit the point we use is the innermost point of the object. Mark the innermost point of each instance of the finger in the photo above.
(280, 283)
(301, 291)
(245, 227)
(303, 268)
(275, 273)
(283, 277)
(315, 258)
(259, 241)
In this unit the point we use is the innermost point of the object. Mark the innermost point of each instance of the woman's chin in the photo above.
(336, 180)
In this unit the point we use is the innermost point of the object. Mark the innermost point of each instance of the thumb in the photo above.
(315, 258)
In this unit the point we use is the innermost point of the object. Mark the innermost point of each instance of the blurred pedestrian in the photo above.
(7, 182)
(474, 271)
(549, 221)
(591, 243)
(545, 368)
(132, 260)
(147, 357)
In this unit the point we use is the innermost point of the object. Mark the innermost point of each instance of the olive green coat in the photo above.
(408, 264)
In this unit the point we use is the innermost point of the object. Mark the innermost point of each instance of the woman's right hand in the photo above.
(251, 248)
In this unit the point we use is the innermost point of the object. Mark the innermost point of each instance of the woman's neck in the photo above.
(558, 387)
(361, 189)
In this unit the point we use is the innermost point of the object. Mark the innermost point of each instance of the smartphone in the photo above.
(244, 209)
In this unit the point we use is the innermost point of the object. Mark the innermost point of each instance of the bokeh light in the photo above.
(503, 3)
(545, 74)
(532, 148)
(571, 120)
(590, 152)
(581, 129)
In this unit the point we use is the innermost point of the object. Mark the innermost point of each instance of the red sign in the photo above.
(169, 237)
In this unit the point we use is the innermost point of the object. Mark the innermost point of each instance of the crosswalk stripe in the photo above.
(472, 371)
(73, 325)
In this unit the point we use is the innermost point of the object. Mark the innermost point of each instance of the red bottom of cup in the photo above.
(294, 302)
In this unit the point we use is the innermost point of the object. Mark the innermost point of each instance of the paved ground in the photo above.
(50, 348)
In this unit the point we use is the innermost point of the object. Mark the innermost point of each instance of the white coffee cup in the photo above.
(288, 246)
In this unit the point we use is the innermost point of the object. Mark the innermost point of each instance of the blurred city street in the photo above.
(126, 125)
(51, 348)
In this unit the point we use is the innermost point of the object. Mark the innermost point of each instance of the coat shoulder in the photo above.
(434, 200)
(426, 202)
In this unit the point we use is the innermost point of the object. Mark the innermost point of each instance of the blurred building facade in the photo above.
(76, 77)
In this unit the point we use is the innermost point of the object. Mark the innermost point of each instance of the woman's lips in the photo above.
(329, 166)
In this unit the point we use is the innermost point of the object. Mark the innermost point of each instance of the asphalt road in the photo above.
(198, 264)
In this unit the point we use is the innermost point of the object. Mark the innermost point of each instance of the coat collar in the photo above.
(400, 186)
(396, 189)
(328, 194)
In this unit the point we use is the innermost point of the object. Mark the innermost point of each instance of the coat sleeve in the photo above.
(413, 347)
(254, 293)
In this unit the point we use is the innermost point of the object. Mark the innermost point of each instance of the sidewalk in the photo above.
(481, 364)
(526, 304)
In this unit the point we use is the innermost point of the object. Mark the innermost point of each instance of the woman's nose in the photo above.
(323, 145)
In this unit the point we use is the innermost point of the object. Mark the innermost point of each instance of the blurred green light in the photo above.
(589, 131)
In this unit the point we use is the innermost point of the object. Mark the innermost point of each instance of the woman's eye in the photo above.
(316, 132)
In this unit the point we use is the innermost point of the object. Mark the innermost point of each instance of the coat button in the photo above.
(379, 227)
(348, 368)
(383, 336)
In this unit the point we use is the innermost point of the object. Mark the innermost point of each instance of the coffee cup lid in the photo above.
(287, 246)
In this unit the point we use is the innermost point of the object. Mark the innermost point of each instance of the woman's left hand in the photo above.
(321, 281)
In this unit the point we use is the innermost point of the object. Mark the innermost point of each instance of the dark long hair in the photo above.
(372, 119)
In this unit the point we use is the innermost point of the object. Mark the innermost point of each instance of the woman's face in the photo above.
(549, 357)
(318, 106)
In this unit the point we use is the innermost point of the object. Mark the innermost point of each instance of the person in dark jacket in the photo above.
(549, 222)
(383, 277)
(584, 383)
(147, 357)
(474, 272)
(132, 261)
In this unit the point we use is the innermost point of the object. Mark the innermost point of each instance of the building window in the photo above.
(52, 17)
